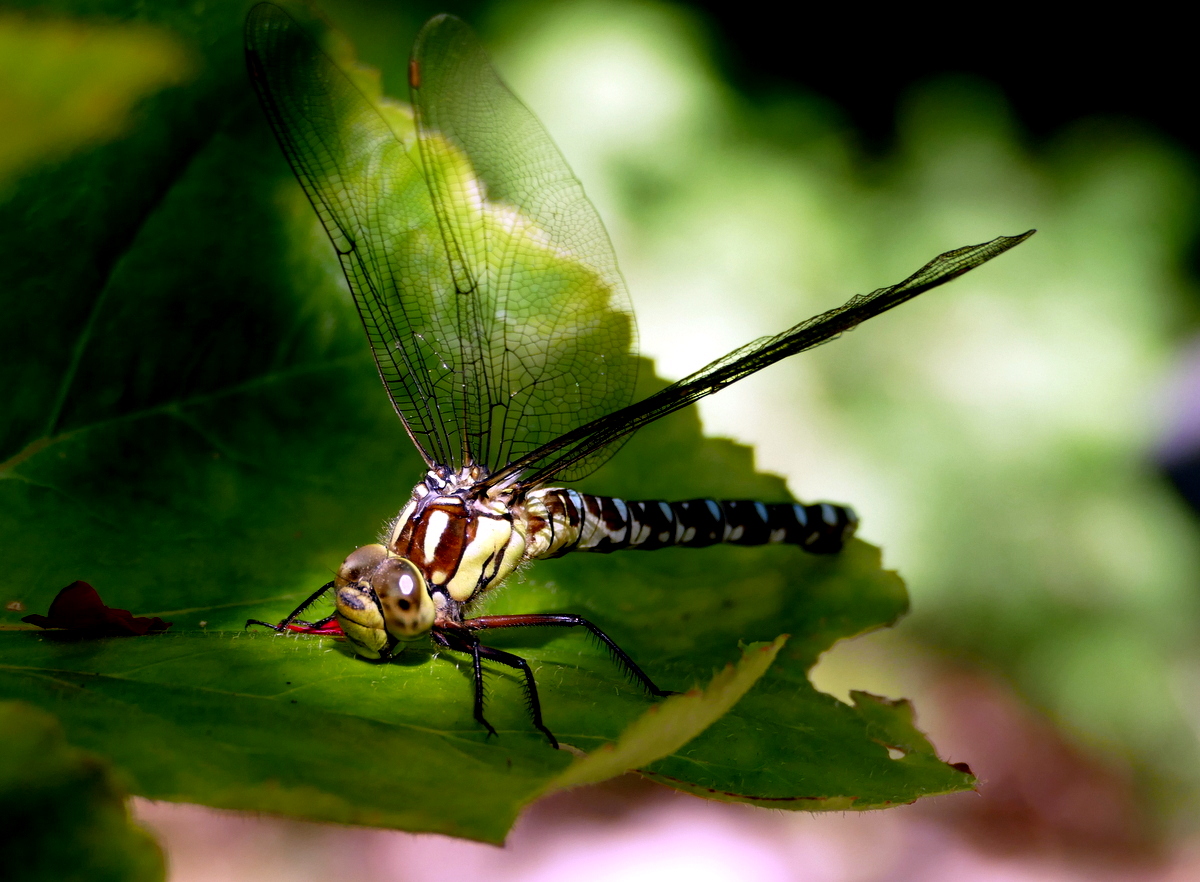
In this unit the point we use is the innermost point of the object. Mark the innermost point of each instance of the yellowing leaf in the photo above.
(67, 83)
(666, 727)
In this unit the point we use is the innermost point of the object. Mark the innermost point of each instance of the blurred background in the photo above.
(1022, 444)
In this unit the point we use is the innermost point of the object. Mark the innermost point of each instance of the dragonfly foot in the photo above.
(276, 628)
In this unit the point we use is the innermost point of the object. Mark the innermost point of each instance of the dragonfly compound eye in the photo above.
(408, 609)
(362, 622)
(361, 563)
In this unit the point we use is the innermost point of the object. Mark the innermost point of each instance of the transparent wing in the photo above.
(484, 279)
(556, 458)
(541, 328)
(365, 184)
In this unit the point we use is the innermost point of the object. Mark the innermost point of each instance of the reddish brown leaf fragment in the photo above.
(78, 607)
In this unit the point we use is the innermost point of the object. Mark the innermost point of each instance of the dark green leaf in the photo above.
(62, 814)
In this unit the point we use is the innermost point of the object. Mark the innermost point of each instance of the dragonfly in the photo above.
(505, 337)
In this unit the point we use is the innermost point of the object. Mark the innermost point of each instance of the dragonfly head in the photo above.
(381, 599)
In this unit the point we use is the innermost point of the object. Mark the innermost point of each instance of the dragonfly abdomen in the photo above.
(576, 521)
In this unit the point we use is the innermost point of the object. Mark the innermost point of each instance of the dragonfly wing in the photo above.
(540, 330)
(557, 458)
(361, 172)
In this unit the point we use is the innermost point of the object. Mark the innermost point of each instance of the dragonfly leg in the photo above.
(465, 641)
(468, 643)
(293, 617)
(531, 693)
(563, 620)
(321, 626)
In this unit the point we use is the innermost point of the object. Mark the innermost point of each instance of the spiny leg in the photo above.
(564, 620)
(468, 643)
(293, 618)
(465, 641)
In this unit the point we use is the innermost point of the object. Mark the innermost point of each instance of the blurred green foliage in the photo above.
(62, 814)
(995, 436)
(66, 83)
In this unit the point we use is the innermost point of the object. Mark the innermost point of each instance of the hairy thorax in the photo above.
(462, 542)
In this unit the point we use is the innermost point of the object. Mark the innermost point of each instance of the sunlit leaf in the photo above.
(67, 83)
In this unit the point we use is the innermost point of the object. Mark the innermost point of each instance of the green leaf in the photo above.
(68, 83)
(666, 727)
(62, 813)
(196, 429)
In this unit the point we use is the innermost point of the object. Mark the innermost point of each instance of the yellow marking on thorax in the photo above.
(482, 560)
(435, 525)
(401, 521)
(513, 554)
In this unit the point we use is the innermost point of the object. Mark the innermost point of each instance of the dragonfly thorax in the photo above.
(461, 541)
(447, 545)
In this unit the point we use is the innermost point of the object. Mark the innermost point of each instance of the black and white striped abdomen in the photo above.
(605, 524)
